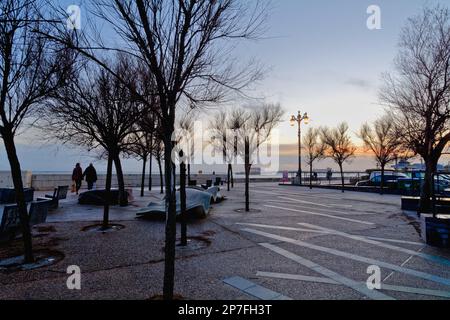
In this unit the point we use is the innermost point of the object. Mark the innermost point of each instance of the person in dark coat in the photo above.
(77, 177)
(90, 175)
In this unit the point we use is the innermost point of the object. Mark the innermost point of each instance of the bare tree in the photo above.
(186, 138)
(383, 141)
(158, 154)
(97, 111)
(253, 128)
(184, 44)
(220, 129)
(31, 69)
(143, 140)
(419, 92)
(339, 146)
(141, 147)
(314, 148)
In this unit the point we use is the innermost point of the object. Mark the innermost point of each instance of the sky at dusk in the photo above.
(321, 59)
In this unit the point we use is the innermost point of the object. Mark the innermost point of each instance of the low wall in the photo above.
(7, 182)
(47, 182)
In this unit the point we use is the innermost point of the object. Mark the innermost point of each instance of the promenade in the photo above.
(294, 244)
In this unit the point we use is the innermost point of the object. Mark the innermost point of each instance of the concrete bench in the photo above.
(39, 212)
(10, 223)
(60, 193)
(9, 195)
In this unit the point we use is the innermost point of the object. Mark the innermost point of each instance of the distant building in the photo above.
(404, 165)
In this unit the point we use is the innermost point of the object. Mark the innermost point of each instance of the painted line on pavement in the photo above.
(420, 291)
(253, 289)
(284, 276)
(281, 228)
(351, 212)
(369, 261)
(425, 256)
(321, 214)
(324, 232)
(330, 205)
(357, 286)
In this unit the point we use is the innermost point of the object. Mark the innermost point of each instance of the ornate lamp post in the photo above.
(298, 120)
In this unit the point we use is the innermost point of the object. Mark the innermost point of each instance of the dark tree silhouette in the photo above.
(315, 149)
(253, 127)
(97, 111)
(141, 147)
(31, 69)
(184, 45)
(418, 94)
(220, 141)
(383, 141)
(339, 146)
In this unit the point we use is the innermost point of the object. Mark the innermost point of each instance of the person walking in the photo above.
(90, 175)
(77, 177)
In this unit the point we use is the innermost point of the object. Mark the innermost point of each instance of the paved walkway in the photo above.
(295, 244)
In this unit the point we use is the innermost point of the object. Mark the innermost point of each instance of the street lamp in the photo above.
(298, 120)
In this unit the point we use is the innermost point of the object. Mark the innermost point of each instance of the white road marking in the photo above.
(305, 202)
(357, 286)
(315, 195)
(420, 291)
(354, 257)
(321, 214)
(296, 277)
(323, 232)
(349, 213)
(281, 228)
(402, 265)
(425, 256)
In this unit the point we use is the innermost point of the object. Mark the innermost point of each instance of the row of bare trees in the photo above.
(333, 143)
(240, 133)
(174, 54)
(417, 97)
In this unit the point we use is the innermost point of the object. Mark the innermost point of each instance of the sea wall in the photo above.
(47, 182)
(7, 182)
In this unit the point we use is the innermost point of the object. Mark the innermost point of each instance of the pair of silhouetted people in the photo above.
(90, 174)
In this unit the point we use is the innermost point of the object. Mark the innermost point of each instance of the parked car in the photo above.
(390, 179)
(415, 180)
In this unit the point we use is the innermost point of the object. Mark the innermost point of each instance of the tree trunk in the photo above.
(382, 179)
(161, 176)
(229, 176)
(247, 175)
(428, 185)
(232, 176)
(171, 226)
(189, 172)
(123, 198)
(183, 204)
(150, 181)
(108, 193)
(144, 166)
(342, 177)
(310, 176)
(16, 173)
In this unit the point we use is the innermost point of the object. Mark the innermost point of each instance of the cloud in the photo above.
(358, 82)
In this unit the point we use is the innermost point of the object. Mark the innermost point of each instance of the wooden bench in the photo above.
(60, 193)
